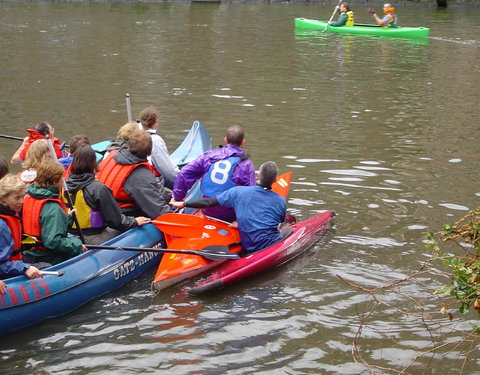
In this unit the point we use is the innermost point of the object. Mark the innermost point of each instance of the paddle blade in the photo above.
(180, 225)
(217, 252)
(282, 185)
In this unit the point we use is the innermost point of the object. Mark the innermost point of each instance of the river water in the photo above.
(383, 131)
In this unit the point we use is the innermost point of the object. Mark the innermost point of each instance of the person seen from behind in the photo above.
(160, 157)
(37, 153)
(219, 169)
(97, 211)
(259, 210)
(130, 176)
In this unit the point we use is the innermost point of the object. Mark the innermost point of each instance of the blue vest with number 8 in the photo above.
(219, 177)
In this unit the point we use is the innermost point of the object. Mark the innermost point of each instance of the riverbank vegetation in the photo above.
(443, 296)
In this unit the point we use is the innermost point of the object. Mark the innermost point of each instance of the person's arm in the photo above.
(16, 159)
(3, 287)
(187, 177)
(197, 203)
(342, 20)
(382, 21)
(141, 186)
(9, 268)
(99, 197)
(54, 225)
(162, 161)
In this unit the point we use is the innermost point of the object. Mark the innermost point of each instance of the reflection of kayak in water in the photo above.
(399, 31)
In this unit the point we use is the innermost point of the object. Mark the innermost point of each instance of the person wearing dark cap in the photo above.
(259, 210)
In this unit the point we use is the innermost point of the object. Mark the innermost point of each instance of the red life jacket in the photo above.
(114, 176)
(15, 225)
(32, 209)
(34, 135)
(67, 172)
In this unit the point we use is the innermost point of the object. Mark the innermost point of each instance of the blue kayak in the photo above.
(90, 274)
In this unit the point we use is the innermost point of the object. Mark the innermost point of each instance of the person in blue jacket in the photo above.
(259, 210)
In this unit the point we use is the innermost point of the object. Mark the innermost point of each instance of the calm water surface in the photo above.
(383, 131)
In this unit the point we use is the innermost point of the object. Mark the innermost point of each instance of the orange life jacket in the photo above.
(15, 225)
(34, 135)
(114, 176)
(32, 209)
(67, 172)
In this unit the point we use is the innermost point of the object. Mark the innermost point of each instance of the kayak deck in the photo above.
(303, 236)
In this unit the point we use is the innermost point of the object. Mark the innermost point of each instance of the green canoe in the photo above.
(399, 31)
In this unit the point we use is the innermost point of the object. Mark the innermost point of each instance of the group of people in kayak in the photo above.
(346, 17)
(137, 181)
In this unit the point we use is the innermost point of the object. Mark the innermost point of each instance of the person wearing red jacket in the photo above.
(40, 131)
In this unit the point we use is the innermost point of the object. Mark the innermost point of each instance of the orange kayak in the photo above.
(174, 268)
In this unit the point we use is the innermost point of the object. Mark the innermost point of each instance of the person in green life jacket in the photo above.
(46, 219)
(346, 16)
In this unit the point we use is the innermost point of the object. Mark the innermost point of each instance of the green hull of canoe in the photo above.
(402, 32)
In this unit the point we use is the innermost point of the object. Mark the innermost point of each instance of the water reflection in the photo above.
(380, 130)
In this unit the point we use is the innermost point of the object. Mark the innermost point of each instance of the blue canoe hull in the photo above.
(94, 273)
(87, 276)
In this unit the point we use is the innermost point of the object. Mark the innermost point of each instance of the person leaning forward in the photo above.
(130, 177)
(220, 169)
(259, 210)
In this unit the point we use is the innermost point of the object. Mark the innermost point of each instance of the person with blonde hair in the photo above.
(46, 218)
(12, 192)
(132, 181)
(160, 157)
(37, 153)
(123, 135)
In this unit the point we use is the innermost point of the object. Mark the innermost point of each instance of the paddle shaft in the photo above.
(11, 137)
(67, 195)
(212, 255)
(331, 18)
(129, 107)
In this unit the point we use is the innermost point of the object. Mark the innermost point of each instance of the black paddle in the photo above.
(214, 252)
(11, 137)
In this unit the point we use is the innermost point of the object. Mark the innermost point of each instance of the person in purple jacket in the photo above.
(220, 169)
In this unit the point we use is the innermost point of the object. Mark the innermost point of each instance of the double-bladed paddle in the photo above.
(215, 252)
(331, 18)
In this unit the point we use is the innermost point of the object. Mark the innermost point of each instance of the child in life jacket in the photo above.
(46, 218)
(12, 192)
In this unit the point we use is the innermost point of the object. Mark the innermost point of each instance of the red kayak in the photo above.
(302, 236)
